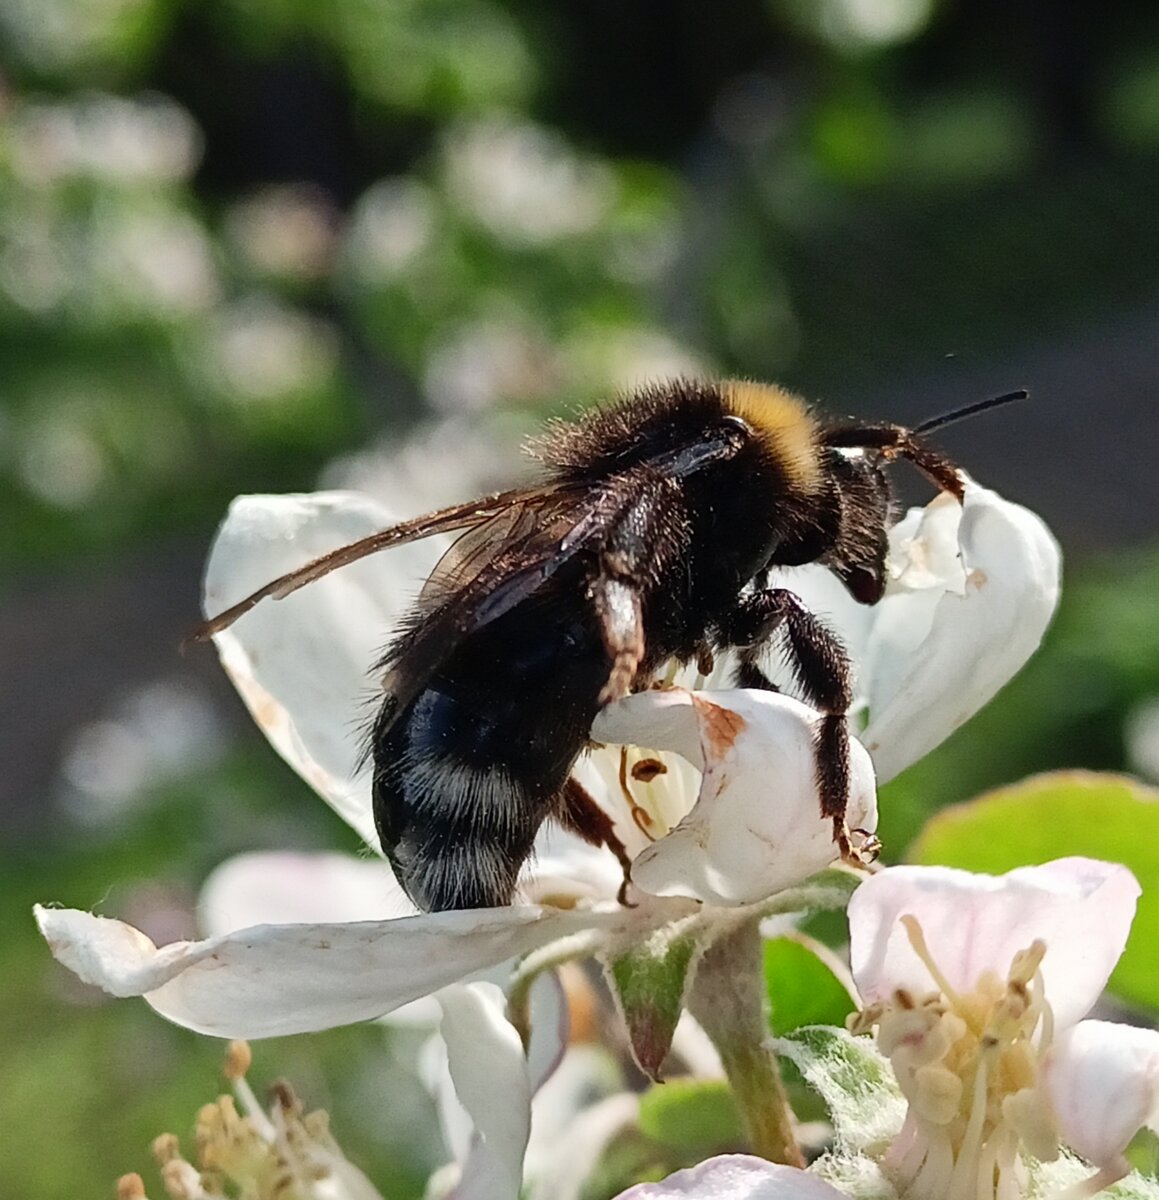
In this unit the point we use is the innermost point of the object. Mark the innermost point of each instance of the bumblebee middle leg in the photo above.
(822, 670)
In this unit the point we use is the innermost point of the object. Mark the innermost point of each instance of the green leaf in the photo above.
(649, 983)
(855, 1081)
(1110, 817)
(804, 985)
(687, 1114)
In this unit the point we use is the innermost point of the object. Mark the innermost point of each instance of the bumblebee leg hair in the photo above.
(749, 675)
(617, 604)
(823, 673)
(579, 813)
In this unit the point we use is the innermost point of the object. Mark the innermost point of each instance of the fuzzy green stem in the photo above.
(728, 999)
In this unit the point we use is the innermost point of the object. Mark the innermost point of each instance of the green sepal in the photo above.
(854, 1079)
(649, 983)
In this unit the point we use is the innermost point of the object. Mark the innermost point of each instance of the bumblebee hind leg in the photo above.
(578, 812)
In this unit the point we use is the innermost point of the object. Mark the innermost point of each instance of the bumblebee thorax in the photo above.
(785, 426)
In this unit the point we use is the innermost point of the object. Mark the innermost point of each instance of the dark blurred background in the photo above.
(248, 245)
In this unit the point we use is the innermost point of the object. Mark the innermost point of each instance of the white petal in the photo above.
(549, 1032)
(283, 888)
(562, 1175)
(280, 979)
(586, 1075)
(736, 1177)
(485, 1059)
(1103, 1080)
(1082, 909)
(937, 653)
(757, 826)
(566, 869)
(661, 719)
(302, 664)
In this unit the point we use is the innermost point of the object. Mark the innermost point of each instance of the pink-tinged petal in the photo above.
(280, 979)
(736, 1177)
(756, 827)
(284, 888)
(1103, 1081)
(489, 1073)
(1081, 908)
(938, 652)
(303, 664)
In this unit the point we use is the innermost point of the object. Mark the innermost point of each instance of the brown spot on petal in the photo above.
(977, 578)
(647, 769)
(719, 727)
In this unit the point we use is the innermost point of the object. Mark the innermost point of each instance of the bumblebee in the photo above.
(649, 538)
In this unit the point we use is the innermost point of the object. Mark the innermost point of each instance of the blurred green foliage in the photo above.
(241, 237)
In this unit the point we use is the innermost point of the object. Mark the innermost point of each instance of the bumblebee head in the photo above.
(859, 456)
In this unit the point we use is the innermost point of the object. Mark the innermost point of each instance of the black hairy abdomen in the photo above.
(467, 771)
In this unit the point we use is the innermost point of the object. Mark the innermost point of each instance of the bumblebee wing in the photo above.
(487, 572)
(445, 520)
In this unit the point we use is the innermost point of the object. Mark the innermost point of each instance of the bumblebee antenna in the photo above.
(970, 410)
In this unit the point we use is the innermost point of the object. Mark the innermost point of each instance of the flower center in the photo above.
(285, 1154)
(659, 789)
(968, 1064)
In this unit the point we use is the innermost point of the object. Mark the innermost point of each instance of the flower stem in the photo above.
(728, 999)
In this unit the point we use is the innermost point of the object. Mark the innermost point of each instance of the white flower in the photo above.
(972, 588)
(736, 1177)
(714, 793)
(977, 986)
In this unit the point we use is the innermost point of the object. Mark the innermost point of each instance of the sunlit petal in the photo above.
(756, 827)
(280, 979)
(952, 631)
(1082, 909)
(303, 664)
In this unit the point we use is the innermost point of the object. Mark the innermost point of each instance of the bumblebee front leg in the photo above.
(822, 670)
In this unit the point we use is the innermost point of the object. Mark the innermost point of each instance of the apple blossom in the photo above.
(977, 987)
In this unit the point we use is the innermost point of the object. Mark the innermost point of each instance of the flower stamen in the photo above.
(968, 1062)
